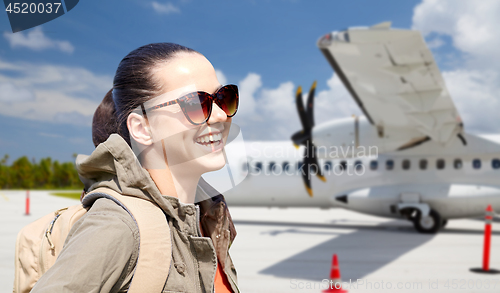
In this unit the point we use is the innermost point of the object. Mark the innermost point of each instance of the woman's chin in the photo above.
(213, 163)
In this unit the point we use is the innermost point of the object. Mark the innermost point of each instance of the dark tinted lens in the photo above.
(227, 99)
(196, 106)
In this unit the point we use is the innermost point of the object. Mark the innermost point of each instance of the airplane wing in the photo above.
(394, 79)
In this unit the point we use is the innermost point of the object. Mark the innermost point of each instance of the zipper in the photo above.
(199, 234)
(198, 220)
(235, 285)
(216, 268)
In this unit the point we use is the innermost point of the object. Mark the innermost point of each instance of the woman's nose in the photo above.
(218, 115)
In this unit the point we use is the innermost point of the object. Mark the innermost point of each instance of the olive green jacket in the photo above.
(101, 250)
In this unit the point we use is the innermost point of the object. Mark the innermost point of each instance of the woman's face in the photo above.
(184, 143)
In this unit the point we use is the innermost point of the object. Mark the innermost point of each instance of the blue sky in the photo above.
(52, 77)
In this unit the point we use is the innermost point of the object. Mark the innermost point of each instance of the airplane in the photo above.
(407, 157)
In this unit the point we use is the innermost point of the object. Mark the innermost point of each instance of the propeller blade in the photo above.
(310, 105)
(305, 173)
(312, 160)
(300, 108)
(319, 174)
(300, 138)
(303, 137)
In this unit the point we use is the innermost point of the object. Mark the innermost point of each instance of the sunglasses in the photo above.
(197, 106)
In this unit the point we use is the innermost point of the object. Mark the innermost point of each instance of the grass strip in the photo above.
(72, 195)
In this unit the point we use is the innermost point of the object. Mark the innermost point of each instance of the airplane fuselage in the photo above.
(457, 180)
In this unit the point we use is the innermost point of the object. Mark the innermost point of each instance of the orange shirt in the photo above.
(221, 283)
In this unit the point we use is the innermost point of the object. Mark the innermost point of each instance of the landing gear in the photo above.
(443, 223)
(429, 224)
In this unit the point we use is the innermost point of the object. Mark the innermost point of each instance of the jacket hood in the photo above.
(114, 165)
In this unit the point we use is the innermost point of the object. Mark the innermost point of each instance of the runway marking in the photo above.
(4, 196)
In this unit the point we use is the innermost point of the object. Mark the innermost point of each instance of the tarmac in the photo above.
(290, 250)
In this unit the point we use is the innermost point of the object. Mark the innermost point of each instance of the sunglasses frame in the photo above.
(213, 98)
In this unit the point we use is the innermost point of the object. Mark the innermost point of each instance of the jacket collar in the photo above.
(114, 165)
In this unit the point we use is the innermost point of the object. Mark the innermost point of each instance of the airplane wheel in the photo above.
(430, 224)
(443, 223)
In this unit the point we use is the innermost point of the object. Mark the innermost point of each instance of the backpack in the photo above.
(39, 243)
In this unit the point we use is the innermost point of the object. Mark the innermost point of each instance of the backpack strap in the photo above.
(155, 245)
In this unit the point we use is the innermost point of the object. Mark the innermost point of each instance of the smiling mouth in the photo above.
(210, 139)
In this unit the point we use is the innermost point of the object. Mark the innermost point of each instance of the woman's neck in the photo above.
(176, 184)
(179, 180)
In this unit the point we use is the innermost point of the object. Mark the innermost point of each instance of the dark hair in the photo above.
(132, 86)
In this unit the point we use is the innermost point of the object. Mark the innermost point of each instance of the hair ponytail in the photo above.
(133, 85)
(105, 121)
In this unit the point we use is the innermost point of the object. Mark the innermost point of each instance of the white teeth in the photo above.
(209, 138)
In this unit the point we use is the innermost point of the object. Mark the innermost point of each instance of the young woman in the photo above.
(163, 125)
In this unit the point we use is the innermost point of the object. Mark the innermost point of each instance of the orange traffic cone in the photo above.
(335, 281)
(487, 244)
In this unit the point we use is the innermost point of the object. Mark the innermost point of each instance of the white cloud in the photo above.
(221, 77)
(36, 40)
(166, 8)
(50, 93)
(475, 94)
(247, 88)
(474, 82)
(334, 102)
(279, 103)
(435, 43)
(472, 25)
(271, 113)
(10, 93)
(265, 113)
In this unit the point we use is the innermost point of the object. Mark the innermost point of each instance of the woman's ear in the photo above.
(139, 129)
